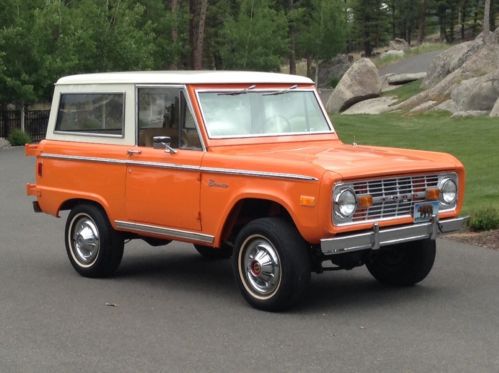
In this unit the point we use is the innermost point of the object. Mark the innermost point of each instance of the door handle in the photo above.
(133, 151)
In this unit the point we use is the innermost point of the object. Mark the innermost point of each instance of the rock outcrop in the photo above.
(372, 106)
(448, 105)
(399, 44)
(396, 79)
(393, 53)
(450, 60)
(495, 110)
(3, 143)
(483, 61)
(477, 94)
(359, 83)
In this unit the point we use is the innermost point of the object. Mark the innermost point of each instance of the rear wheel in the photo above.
(404, 264)
(271, 264)
(94, 248)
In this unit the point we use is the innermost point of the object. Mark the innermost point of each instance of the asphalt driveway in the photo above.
(169, 310)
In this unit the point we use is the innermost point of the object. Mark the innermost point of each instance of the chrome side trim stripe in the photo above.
(173, 166)
(83, 159)
(169, 232)
(270, 175)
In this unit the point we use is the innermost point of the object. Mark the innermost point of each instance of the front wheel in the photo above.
(94, 248)
(271, 264)
(403, 264)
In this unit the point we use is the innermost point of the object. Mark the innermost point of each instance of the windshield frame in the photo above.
(280, 88)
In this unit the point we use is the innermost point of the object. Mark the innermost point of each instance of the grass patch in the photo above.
(484, 219)
(406, 91)
(473, 140)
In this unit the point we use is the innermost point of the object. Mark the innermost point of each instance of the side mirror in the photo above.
(163, 142)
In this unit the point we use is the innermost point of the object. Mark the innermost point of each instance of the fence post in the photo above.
(22, 116)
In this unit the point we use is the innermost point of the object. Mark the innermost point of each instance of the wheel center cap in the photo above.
(256, 268)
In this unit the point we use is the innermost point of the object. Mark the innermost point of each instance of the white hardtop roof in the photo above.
(183, 77)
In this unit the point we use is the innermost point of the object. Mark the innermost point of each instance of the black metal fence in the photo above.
(35, 123)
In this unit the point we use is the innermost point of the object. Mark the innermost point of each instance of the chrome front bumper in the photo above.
(390, 236)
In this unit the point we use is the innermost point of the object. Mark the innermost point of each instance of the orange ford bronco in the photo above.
(241, 164)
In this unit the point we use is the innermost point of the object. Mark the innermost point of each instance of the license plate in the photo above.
(425, 210)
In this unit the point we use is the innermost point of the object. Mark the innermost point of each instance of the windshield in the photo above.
(261, 113)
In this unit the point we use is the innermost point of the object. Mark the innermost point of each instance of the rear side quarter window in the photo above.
(91, 113)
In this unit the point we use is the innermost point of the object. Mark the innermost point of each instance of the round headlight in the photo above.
(448, 188)
(346, 203)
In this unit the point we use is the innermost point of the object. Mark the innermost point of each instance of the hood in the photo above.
(348, 161)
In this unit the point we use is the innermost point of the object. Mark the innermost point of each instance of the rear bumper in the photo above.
(378, 238)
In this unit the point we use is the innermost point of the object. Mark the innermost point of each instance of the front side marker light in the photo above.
(307, 201)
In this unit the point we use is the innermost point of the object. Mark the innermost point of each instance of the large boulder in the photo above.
(495, 110)
(399, 44)
(359, 83)
(331, 71)
(372, 106)
(450, 60)
(3, 143)
(397, 79)
(477, 94)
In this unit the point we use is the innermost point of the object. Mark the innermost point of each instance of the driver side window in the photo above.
(163, 111)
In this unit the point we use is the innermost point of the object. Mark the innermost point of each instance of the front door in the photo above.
(163, 187)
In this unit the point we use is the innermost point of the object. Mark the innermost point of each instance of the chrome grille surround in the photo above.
(393, 196)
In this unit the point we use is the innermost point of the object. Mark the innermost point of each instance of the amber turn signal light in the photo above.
(433, 194)
(308, 201)
(365, 201)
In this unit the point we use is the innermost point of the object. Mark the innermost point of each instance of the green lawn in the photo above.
(475, 141)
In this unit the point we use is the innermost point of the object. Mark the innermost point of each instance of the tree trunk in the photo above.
(309, 66)
(452, 23)
(475, 18)
(23, 116)
(197, 10)
(486, 22)
(422, 21)
(316, 78)
(292, 42)
(292, 54)
(463, 19)
(174, 10)
(493, 11)
(394, 26)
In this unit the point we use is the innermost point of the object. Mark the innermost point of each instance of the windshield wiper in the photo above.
(237, 93)
(282, 91)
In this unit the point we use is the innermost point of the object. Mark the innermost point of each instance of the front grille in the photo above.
(392, 196)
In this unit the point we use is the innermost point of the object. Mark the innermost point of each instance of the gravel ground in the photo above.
(488, 239)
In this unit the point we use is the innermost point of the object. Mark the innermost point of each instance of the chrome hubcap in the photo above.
(261, 266)
(85, 240)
